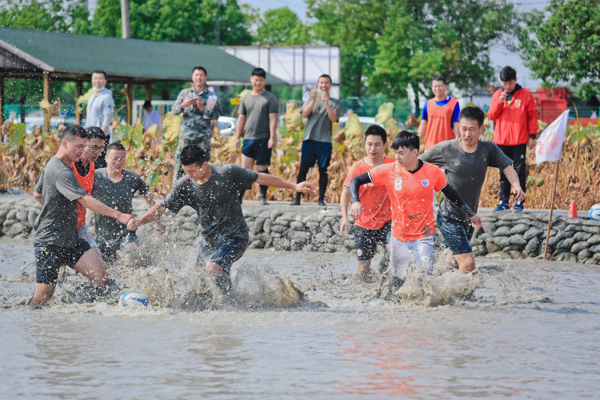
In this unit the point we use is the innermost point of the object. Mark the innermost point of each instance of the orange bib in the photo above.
(87, 183)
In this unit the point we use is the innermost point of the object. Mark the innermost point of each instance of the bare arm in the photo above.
(92, 204)
(422, 128)
(149, 197)
(344, 203)
(330, 113)
(153, 214)
(275, 181)
(38, 197)
(273, 129)
(456, 131)
(513, 178)
(308, 109)
(239, 129)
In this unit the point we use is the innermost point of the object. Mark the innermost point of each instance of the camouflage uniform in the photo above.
(196, 125)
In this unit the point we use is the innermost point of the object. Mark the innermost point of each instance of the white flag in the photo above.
(549, 145)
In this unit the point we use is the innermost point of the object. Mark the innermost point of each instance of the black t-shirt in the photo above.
(216, 201)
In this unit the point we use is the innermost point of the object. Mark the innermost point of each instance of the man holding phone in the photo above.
(321, 111)
(199, 107)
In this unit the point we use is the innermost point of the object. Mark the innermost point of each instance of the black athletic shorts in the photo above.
(49, 259)
(366, 240)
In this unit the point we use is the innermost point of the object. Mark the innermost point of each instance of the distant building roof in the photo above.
(29, 53)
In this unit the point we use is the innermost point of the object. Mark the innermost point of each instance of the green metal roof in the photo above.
(66, 54)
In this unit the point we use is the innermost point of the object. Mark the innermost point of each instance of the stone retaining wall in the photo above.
(504, 235)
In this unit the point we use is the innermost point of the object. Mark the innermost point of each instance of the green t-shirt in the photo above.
(318, 124)
(257, 108)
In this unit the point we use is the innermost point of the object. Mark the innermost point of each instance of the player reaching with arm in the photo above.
(213, 191)
(411, 185)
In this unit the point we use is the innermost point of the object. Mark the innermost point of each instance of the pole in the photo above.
(551, 209)
(129, 97)
(125, 19)
(47, 98)
(1, 99)
(79, 91)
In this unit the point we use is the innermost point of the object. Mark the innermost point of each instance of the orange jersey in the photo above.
(374, 199)
(440, 122)
(411, 197)
(87, 183)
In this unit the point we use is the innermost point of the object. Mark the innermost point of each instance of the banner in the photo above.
(550, 143)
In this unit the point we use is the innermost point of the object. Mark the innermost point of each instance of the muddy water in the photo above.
(531, 330)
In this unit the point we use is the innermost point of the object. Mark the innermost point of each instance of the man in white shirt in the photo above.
(151, 116)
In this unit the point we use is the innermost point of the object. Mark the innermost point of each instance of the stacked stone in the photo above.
(18, 215)
(524, 235)
(296, 231)
(504, 235)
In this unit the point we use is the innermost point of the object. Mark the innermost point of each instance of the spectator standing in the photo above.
(100, 111)
(321, 111)
(258, 116)
(151, 116)
(199, 107)
(439, 120)
(515, 128)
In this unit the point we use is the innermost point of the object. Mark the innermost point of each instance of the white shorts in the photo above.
(417, 252)
(86, 235)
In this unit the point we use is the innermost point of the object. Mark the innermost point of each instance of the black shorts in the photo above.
(224, 253)
(315, 152)
(258, 149)
(366, 240)
(49, 259)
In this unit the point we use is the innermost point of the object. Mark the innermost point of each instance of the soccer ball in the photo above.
(134, 300)
(595, 212)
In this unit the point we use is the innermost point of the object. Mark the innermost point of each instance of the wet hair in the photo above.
(439, 78)
(94, 132)
(406, 139)
(147, 104)
(115, 146)
(259, 72)
(99, 71)
(472, 114)
(201, 69)
(508, 74)
(376, 130)
(194, 154)
(325, 76)
(71, 131)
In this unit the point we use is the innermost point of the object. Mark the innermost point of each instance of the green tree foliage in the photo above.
(190, 21)
(562, 45)
(394, 43)
(49, 15)
(281, 26)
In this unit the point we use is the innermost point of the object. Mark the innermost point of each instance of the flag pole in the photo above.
(551, 209)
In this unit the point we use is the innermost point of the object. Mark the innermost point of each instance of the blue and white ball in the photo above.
(595, 212)
(134, 300)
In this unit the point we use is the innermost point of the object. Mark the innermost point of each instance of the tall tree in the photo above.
(189, 21)
(562, 45)
(353, 25)
(48, 15)
(281, 26)
(396, 43)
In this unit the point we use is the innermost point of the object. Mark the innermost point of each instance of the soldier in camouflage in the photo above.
(199, 107)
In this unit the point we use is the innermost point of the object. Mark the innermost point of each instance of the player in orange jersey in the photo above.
(411, 185)
(375, 225)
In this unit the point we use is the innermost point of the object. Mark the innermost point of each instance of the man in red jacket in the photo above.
(515, 118)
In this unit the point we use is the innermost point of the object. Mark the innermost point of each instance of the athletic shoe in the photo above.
(502, 206)
(518, 207)
(263, 202)
(321, 203)
(295, 202)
